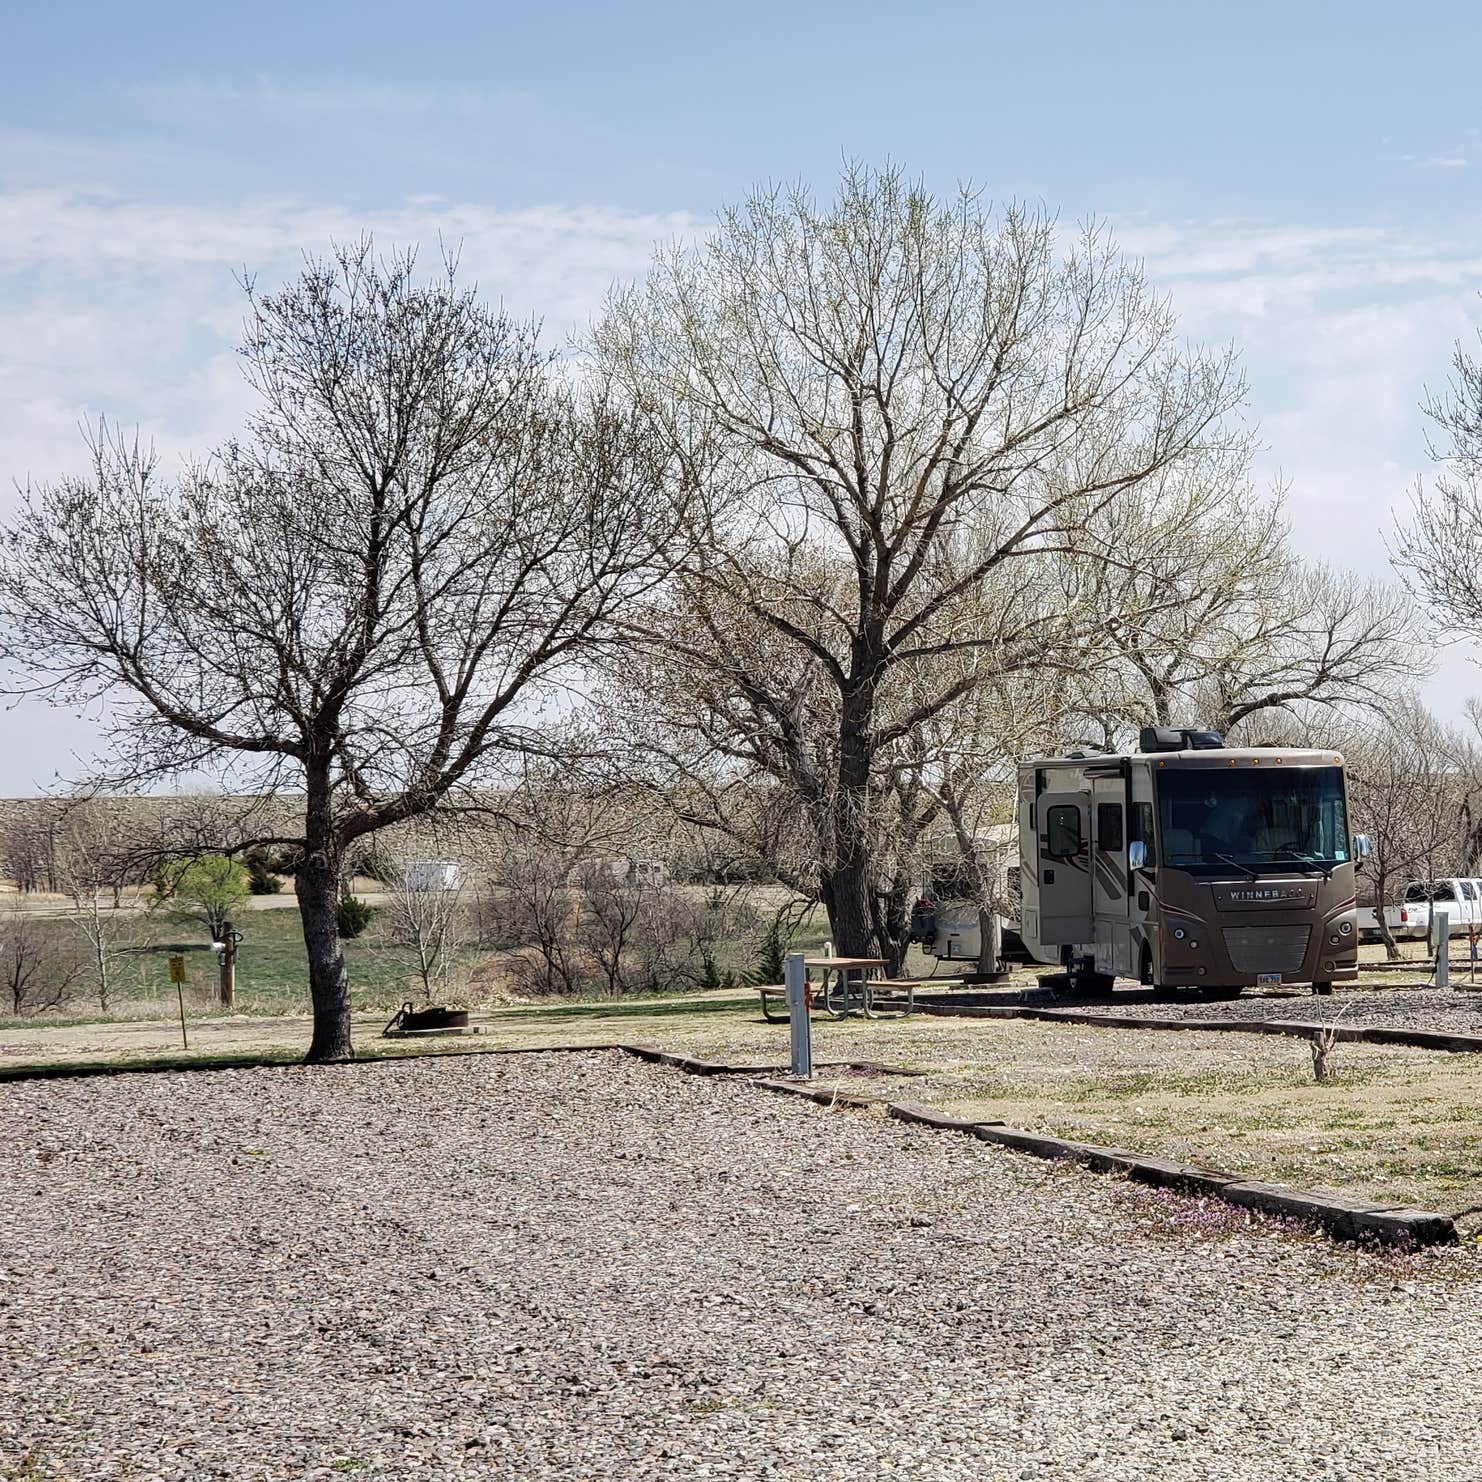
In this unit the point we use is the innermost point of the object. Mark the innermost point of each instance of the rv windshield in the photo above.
(1252, 817)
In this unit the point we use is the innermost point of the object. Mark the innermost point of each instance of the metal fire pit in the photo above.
(431, 1020)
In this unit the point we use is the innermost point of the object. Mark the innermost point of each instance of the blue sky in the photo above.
(1302, 178)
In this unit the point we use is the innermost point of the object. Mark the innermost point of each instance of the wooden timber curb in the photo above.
(1350, 1219)
(1347, 1218)
(1374, 1034)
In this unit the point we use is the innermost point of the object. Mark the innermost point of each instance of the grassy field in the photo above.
(272, 969)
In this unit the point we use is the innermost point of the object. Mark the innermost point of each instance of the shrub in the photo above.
(771, 962)
(353, 914)
(261, 879)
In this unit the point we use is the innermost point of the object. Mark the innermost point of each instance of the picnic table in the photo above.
(846, 986)
(844, 983)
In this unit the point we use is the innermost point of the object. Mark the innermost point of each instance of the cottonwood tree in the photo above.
(886, 401)
(1256, 629)
(361, 601)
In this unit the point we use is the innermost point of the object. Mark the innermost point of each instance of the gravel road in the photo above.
(576, 1266)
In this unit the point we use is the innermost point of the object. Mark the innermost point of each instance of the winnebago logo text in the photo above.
(1264, 895)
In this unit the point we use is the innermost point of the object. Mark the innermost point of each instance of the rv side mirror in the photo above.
(1363, 847)
(1137, 854)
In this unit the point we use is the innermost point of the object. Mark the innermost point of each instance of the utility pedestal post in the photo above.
(1443, 947)
(228, 959)
(800, 1025)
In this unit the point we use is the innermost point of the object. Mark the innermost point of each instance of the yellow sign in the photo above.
(177, 968)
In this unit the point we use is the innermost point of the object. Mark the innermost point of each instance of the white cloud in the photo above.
(131, 308)
(110, 303)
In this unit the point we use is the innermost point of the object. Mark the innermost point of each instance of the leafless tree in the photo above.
(1255, 629)
(37, 970)
(1414, 789)
(93, 851)
(1435, 549)
(423, 915)
(889, 401)
(364, 599)
(24, 851)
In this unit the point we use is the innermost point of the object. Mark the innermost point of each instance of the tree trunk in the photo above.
(317, 886)
(1391, 947)
(891, 912)
(847, 892)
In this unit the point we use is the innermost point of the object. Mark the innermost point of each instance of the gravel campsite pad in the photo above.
(576, 1266)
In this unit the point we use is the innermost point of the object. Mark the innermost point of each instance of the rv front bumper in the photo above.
(1270, 948)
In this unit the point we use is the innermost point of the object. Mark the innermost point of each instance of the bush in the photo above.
(261, 878)
(771, 962)
(353, 915)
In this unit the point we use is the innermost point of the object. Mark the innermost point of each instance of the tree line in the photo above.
(828, 519)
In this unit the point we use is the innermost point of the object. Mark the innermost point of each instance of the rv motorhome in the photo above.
(1190, 864)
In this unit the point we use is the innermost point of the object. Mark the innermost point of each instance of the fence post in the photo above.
(801, 1026)
(1443, 947)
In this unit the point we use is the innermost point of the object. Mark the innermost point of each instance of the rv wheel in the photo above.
(1323, 988)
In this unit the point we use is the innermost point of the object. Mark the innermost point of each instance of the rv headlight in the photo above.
(1346, 927)
(1178, 933)
(1194, 944)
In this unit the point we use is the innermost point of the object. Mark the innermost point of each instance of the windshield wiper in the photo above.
(1308, 859)
(1244, 867)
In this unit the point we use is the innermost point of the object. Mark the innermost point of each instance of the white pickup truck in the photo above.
(1460, 898)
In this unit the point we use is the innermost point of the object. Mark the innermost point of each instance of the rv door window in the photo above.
(1063, 831)
(1109, 827)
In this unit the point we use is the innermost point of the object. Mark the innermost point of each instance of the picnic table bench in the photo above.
(896, 995)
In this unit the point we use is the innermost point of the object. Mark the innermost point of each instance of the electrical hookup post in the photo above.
(1443, 948)
(800, 1025)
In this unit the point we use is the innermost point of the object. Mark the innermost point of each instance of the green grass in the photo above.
(272, 970)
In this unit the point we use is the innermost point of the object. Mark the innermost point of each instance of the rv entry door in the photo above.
(1064, 867)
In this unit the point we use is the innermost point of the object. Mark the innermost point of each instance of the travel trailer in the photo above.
(971, 931)
(1190, 864)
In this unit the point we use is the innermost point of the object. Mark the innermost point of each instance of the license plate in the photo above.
(1268, 980)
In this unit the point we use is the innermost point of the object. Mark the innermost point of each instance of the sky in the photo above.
(1302, 179)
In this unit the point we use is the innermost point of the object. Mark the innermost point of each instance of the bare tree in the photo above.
(420, 533)
(1413, 787)
(889, 401)
(1434, 551)
(423, 915)
(37, 970)
(93, 865)
(1254, 630)
(1332, 642)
